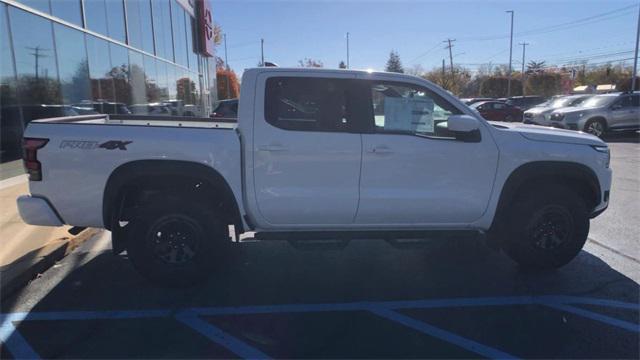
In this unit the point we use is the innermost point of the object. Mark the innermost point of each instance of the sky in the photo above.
(557, 31)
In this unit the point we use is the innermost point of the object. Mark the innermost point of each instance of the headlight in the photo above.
(605, 150)
(557, 117)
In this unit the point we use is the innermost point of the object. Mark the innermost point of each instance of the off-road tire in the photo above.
(193, 238)
(546, 227)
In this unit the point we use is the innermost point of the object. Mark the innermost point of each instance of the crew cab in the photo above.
(316, 154)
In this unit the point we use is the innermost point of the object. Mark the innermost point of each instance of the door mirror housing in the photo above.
(464, 127)
(617, 106)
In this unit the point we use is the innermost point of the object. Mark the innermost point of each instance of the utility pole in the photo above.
(226, 62)
(347, 50)
(262, 52)
(444, 73)
(510, 55)
(37, 55)
(450, 59)
(635, 58)
(524, 45)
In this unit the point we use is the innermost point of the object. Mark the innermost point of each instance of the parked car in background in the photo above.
(226, 110)
(471, 101)
(104, 107)
(540, 114)
(150, 109)
(179, 108)
(600, 114)
(498, 111)
(526, 102)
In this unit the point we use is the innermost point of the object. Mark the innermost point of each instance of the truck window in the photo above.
(409, 109)
(308, 104)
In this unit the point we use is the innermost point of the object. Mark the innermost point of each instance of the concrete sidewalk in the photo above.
(27, 250)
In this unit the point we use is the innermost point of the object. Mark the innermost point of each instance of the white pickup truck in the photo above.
(316, 154)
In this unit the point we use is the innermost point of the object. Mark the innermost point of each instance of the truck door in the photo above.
(413, 171)
(307, 151)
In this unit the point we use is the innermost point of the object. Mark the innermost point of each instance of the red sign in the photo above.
(206, 28)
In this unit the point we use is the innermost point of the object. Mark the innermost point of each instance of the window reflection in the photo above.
(95, 12)
(35, 58)
(73, 66)
(11, 127)
(68, 10)
(191, 50)
(42, 5)
(120, 73)
(115, 17)
(99, 69)
(162, 29)
(137, 78)
(179, 34)
(139, 22)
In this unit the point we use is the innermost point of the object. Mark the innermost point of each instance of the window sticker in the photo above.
(408, 114)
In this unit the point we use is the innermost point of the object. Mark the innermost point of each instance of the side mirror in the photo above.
(616, 106)
(465, 127)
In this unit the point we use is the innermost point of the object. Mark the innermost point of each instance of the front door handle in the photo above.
(381, 149)
(273, 148)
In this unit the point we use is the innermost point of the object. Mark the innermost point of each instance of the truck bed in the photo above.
(140, 120)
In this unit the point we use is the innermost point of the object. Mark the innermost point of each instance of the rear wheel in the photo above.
(546, 228)
(177, 243)
(595, 127)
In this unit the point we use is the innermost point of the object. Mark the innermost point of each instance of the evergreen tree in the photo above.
(394, 64)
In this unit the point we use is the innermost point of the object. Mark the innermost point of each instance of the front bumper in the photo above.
(38, 211)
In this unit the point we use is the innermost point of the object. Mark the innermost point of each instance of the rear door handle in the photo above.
(273, 148)
(381, 149)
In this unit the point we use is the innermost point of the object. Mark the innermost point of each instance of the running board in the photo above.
(341, 236)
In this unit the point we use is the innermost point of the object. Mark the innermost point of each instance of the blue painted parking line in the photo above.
(191, 317)
(441, 334)
(220, 337)
(598, 317)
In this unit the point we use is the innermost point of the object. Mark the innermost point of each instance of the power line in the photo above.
(425, 53)
(563, 26)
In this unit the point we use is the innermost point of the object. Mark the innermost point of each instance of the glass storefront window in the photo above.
(35, 58)
(191, 44)
(11, 126)
(99, 69)
(163, 85)
(73, 67)
(179, 34)
(95, 12)
(137, 79)
(68, 10)
(162, 29)
(115, 20)
(120, 73)
(42, 5)
(139, 25)
(151, 75)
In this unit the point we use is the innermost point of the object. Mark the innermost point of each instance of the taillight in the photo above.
(30, 148)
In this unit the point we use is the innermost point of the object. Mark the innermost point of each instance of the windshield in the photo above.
(598, 101)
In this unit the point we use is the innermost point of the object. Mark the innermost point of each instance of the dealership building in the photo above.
(60, 57)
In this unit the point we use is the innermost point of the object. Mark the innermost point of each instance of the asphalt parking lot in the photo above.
(453, 299)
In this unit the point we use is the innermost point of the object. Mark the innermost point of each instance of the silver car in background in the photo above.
(600, 114)
(540, 114)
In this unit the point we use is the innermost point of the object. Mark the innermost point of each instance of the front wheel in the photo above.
(595, 127)
(176, 243)
(547, 228)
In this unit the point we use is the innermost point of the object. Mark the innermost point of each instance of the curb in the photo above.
(18, 274)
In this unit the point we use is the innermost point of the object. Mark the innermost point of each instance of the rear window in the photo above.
(307, 104)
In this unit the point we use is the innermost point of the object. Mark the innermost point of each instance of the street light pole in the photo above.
(524, 45)
(347, 50)
(635, 58)
(226, 62)
(262, 52)
(510, 55)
